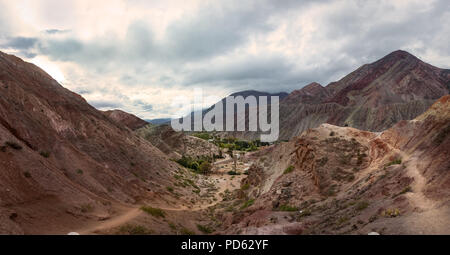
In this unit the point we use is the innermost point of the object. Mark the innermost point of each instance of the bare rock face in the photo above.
(61, 160)
(127, 119)
(341, 180)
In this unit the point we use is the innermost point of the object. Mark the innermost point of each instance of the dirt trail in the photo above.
(427, 217)
(220, 178)
(116, 221)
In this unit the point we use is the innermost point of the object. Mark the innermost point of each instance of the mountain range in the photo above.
(366, 153)
(374, 97)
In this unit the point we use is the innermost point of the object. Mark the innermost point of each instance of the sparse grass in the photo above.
(134, 230)
(155, 212)
(248, 203)
(288, 208)
(170, 189)
(79, 171)
(45, 154)
(205, 229)
(361, 205)
(245, 186)
(289, 169)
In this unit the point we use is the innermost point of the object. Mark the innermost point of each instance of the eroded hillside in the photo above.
(340, 180)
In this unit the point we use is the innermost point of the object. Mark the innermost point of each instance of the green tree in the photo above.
(205, 167)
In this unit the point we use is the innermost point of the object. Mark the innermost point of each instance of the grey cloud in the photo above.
(143, 105)
(56, 31)
(105, 104)
(20, 43)
(208, 48)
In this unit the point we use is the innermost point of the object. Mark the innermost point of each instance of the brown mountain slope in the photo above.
(340, 180)
(127, 119)
(175, 144)
(62, 161)
(374, 97)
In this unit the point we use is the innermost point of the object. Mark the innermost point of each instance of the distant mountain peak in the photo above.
(246, 93)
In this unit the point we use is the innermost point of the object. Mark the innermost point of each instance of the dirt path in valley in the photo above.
(219, 177)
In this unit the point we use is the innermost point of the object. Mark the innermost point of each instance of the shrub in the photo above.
(13, 145)
(288, 208)
(185, 231)
(155, 212)
(404, 191)
(305, 213)
(442, 135)
(79, 171)
(170, 189)
(361, 205)
(233, 173)
(394, 162)
(204, 136)
(391, 213)
(248, 203)
(205, 229)
(245, 186)
(86, 208)
(134, 230)
(205, 167)
(288, 170)
(323, 161)
(27, 174)
(45, 154)
(332, 133)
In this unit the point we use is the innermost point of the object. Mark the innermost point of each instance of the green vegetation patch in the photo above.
(288, 208)
(134, 230)
(155, 212)
(205, 229)
(289, 169)
(394, 162)
(248, 203)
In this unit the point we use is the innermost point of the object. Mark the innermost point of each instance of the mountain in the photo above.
(159, 121)
(341, 180)
(176, 144)
(129, 120)
(374, 97)
(63, 163)
(257, 94)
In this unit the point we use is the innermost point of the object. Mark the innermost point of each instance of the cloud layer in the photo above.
(138, 56)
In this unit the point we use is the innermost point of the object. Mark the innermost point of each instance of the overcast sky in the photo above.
(137, 55)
